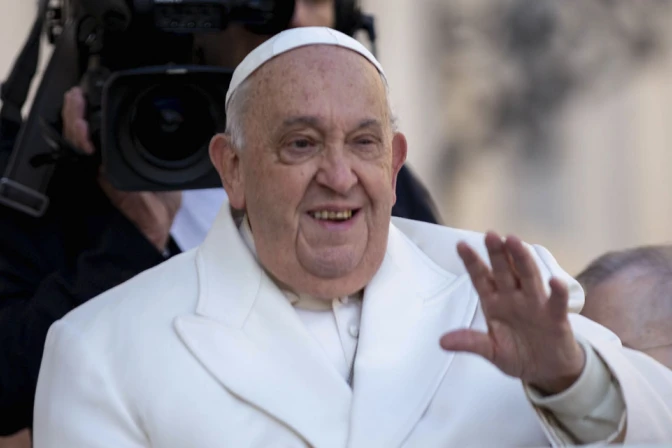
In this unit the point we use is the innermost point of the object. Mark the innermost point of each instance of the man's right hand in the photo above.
(152, 213)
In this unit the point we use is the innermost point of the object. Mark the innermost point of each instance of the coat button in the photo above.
(353, 330)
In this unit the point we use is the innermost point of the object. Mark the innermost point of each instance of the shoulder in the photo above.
(592, 331)
(159, 293)
(438, 243)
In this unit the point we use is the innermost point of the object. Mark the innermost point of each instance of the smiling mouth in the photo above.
(329, 215)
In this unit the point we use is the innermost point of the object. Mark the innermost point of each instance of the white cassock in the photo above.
(206, 351)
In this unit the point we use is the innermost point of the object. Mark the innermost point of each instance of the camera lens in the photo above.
(172, 124)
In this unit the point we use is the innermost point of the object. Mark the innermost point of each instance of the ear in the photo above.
(226, 160)
(399, 151)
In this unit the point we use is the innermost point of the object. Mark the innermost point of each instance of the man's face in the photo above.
(318, 170)
(630, 306)
(229, 47)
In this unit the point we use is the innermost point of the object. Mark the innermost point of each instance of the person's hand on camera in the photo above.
(152, 213)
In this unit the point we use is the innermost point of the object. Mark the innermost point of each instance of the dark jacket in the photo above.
(82, 247)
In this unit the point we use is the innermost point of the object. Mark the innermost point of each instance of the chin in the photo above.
(331, 273)
(337, 281)
(334, 264)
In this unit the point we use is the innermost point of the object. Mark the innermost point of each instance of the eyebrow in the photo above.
(369, 123)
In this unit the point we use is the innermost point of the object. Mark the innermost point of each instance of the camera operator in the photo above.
(94, 237)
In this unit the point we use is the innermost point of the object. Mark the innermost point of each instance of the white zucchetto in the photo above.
(289, 40)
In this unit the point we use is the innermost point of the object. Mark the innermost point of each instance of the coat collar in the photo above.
(407, 306)
(249, 337)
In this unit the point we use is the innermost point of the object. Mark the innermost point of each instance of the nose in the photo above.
(336, 172)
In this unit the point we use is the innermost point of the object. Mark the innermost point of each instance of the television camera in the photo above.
(151, 109)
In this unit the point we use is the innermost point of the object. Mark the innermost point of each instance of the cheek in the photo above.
(279, 186)
(376, 178)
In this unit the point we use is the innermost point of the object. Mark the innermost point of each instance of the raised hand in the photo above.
(529, 335)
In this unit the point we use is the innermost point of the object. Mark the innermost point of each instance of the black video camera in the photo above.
(151, 113)
(151, 110)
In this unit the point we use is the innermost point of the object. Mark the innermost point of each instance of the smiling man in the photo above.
(322, 144)
(316, 321)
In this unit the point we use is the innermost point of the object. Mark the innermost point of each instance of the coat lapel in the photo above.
(408, 305)
(248, 336)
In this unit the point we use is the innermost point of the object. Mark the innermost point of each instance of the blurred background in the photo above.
(544, 118)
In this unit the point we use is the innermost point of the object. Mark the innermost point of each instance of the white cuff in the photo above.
(593, 408)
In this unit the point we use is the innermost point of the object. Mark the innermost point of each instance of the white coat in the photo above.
(205, 351)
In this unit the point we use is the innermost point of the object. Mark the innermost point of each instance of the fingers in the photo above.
(514, 269)
(526, 268)
(75, 126)
(558, 303)
(502, 266)
(468, 341)
(81, 138)
(479, 272)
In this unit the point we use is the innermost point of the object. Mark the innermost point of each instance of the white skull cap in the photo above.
(289, 40)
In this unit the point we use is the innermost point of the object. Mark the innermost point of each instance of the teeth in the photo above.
(332, 216)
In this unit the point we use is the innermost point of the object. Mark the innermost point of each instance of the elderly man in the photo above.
(94, 237)
(317, 322)
(629, 292)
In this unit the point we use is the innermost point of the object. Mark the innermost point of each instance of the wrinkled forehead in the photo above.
(316, 63)
(295, 39)
(310, 77)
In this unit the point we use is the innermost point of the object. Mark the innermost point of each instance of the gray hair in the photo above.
(655, 261)
(237, 106)
(235, 112)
